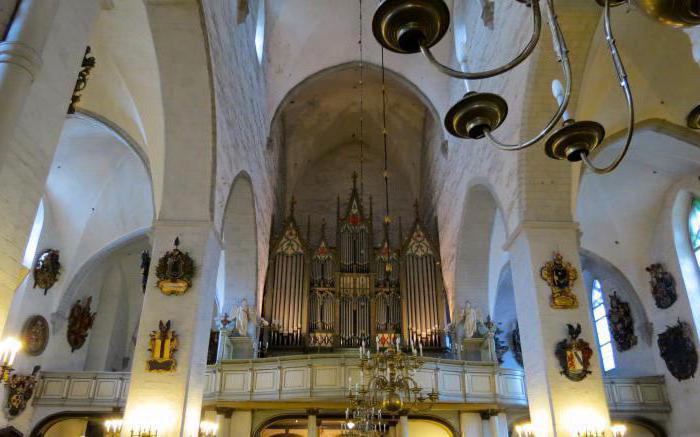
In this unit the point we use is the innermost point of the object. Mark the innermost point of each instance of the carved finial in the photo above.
(354, 180)
(323, 229)
(177, 241)
(417, 209)
(337, 212)
(371, 209)
(400, 232)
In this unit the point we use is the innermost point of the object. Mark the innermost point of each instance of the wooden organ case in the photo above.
(325, 297)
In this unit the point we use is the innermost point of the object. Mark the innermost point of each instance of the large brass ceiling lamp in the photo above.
(411, 26)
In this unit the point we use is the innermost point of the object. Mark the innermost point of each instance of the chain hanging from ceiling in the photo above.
(362, 107)
(412, 26)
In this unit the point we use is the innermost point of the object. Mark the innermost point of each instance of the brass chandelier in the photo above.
(412, 26)
(386, 387)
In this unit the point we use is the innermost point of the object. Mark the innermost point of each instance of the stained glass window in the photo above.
(602, 328)
(694, 224)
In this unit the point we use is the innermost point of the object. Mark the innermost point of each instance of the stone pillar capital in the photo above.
(224, 411)
(21, 55)
(527, 226)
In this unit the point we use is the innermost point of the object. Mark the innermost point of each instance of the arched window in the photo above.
(694, 224)
(602, 328)
(260, 30)
(33, 242)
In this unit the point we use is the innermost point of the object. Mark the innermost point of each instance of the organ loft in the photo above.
(324, 296)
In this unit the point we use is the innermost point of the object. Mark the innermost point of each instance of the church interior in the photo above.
(349, 218)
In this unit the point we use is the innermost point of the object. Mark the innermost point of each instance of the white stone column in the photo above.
(241, 423)
(312, 425)
(20, 61)
(470, 425)
(498, 425)
(555, 402)
(402, 428)
(223, 419)
(174, 400)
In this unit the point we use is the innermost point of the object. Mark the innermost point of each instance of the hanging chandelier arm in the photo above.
(625, 85)
(562, 53)
(527, 51)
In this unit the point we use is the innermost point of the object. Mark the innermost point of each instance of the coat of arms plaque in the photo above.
(678, 351)
(175, 271)
(560, 276)
(621, 324)
(574, 355)
(20, 389)
(46, 269)
(163, 345)
(663, 286)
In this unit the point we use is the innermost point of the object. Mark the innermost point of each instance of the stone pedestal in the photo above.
(240, 348)
(555, 402)
(173, 400)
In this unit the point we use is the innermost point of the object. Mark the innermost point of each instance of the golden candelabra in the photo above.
(386, 387)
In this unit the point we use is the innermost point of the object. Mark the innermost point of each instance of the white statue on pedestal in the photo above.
(470, 318)
(243, 315)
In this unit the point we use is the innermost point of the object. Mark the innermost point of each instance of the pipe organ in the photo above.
(325, 297)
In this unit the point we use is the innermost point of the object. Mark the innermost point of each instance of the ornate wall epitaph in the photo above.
(20, 389)
(175, 271)
(574, 355)
(678, 351)
(47, 268)
(80, 321)
(663, 286)
(560, 276)
(163, 345)
(621, 324)
(35, 335)
(516, 346)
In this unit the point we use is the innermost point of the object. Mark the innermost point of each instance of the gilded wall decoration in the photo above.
(175, 271)
(560, 276)
(163, 345)
(574, 355)
(678, 350)
(516, 346)
(85, 67)
(35, 335)
(80, 322)
(20, 389)
(145, 268)
(663, 286)
(621, 324)
(47, 268)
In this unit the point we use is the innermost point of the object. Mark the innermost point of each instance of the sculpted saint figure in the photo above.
(470, 317)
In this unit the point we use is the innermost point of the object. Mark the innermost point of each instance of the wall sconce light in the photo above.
(113, 427)
(208, 429)
(525, 430)
(8, 351)
(618, 430)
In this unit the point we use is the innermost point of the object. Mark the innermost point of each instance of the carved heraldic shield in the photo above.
(163, 345)
(574, 355)
(560, 276)
(20, 389)
(46, 269)
(175, 271)
(80, 322)
(678, 351)
(663, 286)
